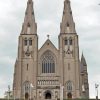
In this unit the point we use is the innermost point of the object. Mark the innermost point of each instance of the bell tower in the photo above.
(26, 62)
(69, 54)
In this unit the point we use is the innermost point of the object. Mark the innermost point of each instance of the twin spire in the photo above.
(67, 25)
(30, 26)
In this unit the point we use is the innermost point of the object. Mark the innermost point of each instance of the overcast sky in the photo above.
(48, 14)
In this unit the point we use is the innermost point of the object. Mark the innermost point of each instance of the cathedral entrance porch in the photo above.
(48, 95)
(26, 96)
(69, 96)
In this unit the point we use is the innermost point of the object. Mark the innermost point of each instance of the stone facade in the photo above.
(48, 72)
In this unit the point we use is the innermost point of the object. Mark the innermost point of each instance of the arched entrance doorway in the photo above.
(69, 96)
(48, 95)
(26, 96)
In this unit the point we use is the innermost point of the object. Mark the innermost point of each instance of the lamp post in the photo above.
(96, 88)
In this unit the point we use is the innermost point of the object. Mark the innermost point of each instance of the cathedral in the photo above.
(49, 73)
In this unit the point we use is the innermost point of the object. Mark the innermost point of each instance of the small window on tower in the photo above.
(25, 42)
(70, 41)
(67, 24)
(30, 41)
(28, 25)
(28, 29)
(68, 66)
(67, 27)
(66, 41)
(27, 67)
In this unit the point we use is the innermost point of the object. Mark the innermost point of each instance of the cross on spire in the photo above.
(48, 36)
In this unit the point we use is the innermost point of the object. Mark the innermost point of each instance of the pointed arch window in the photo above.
(70, 41)
(67, 28)
(69, 85)
(25, 41)
(28, 29)
(30, 41)
(67, 24)
(66, 41)
(48, 62)
(26, 87)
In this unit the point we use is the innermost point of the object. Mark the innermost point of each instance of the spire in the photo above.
(67, 25)
(83, 61)
(29, 25)
(83, 64)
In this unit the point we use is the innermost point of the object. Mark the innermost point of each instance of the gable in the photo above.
(48, 45)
